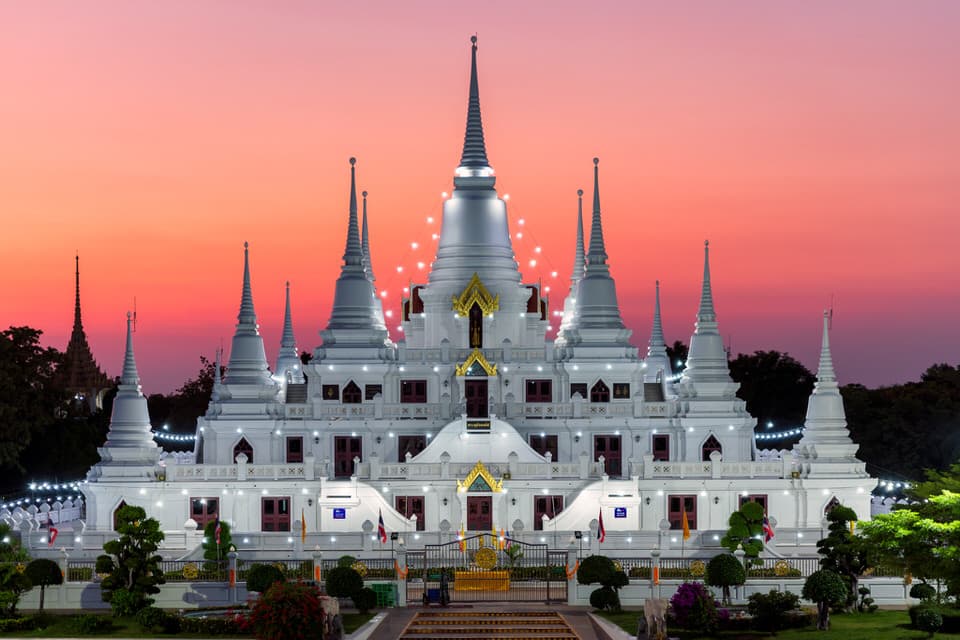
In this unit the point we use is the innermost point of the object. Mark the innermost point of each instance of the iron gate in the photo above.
(486, 568)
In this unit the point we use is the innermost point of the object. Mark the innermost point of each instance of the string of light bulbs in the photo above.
(174, 437)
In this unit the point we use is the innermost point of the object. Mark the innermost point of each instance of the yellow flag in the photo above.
(686, 526)
(853, 525)
(463, 539)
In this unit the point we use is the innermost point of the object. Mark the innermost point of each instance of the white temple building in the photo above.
(475, 420)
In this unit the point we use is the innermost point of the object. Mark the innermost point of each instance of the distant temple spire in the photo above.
(80, 374)
(288, 360)
(474, 154)
(657, 362)
(579, 255)
(598, 251)
(569, 317)
(707, 358)
(356, 316)
(825, 433)
(248, 360)
(365, 243)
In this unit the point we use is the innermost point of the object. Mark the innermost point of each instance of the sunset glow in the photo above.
(816, 146)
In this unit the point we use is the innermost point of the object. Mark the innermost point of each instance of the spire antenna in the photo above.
(579, 256)
(474, 149)
(598, 251)
(353, 253)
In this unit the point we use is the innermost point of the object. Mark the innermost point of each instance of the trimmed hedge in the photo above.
(950, 615)
(9, 625)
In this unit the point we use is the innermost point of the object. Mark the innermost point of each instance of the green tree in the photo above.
(13, 582)
(261, 577)
(746, 530)
(28, 393)
(601, 570)
(775, 387)
(922, 539)
(132, 564)
(843, 552)
(211, 550)
(10, 548)
(725, 571)
(827, 589)
(44, 572)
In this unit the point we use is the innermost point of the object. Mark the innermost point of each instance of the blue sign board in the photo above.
(340, 513)
(619, 512)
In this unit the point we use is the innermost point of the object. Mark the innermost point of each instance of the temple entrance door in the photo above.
(476, 395)
(479, 513)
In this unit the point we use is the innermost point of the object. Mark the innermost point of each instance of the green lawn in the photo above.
(882, 625)
(64, 627)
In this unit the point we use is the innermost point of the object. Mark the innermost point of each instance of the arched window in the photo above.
(116, 513)
(600, 392)
(351, 394)
(711, 445)
(476, 327)
(243, 447)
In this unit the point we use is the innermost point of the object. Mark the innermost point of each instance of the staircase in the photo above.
(296, 393)
(488, 625)
(652, 392)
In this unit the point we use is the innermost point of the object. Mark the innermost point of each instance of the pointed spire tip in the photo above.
(596, 161)
(580, 192)
(353, 161)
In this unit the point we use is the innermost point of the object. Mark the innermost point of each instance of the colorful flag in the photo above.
(506, 540)
(381, 529)
(216, 532)
(503, 539)
(54, 532)
(767, 530)
(463, 539)
(303, 526)
(686, 526)
(601, 532)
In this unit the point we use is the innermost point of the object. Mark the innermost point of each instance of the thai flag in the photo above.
(601, 532)
(381, 530)
(53, 536)
(767, 530)
(216, 532)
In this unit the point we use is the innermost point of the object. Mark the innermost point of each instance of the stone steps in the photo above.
(492, 625)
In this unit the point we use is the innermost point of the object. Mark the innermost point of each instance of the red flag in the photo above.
(53, 536)
(601, 532)
(216, 532)
(767, 530)
(381, 530)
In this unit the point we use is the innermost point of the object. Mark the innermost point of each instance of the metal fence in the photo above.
(368, 568)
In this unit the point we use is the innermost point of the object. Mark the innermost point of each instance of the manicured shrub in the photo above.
(13, 582)
(11, 625)
(151, 618)
(827, 589)
(43, 572)
(865, 604)
(287, 611)
(929, 620)
(923, 591)
(91, 624)
(596, 570)
(769, 610)
(261, 577)
(343, 582)
(605, 599)
(229, 626)
(126, 603)
(725, 571)
(365, 600)
(695, 608)
(346, 561)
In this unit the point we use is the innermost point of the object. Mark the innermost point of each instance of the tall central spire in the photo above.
(598, 250)
(248, 361)
(77, 321)
(474, 150)
(707, 358)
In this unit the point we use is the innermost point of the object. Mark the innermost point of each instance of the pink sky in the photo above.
(815, 145)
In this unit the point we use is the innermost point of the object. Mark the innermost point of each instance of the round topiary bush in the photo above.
(365, 600)
(929, 620)
(346, 561)
(287, 611)
(826, 588)
(343, 582)
(260, 577)
(605, 599)
(42, 573)
(596, 570)
(725, 571)
(923, 591)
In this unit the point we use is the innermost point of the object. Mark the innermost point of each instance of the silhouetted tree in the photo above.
(775, 387)
(678, 352)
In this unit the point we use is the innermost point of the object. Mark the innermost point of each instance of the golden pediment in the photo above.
(479, 479)
(476, 357)
(476, 292)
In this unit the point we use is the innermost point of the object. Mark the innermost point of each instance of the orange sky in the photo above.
(815, 145)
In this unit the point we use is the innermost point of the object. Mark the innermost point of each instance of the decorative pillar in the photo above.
(740, 554)
(655, 574)
(571, 569)
(318, 568)
(232, 577)
(400, 565)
